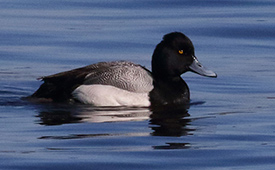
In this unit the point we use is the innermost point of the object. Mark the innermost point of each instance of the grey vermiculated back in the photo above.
(121, 74)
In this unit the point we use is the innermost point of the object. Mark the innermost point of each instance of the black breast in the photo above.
(169, 92)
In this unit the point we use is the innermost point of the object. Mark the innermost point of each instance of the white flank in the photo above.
(105, 95)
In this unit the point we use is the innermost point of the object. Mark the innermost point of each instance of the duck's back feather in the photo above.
(121, 74)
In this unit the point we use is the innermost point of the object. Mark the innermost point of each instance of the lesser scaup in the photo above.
(123, 83)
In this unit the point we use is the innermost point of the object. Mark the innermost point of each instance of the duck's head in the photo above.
(175, 55)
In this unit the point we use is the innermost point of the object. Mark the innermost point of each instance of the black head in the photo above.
(175, 55)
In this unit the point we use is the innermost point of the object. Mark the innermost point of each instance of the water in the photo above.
(230, 127)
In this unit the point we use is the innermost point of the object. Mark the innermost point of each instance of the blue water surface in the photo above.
(229, 126)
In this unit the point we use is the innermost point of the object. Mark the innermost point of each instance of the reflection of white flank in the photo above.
(115, 115)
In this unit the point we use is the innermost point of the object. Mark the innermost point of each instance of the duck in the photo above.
(124, 83)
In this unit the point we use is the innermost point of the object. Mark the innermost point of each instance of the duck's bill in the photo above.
(198, 68)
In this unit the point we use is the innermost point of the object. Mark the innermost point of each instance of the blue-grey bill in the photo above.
(198, 68)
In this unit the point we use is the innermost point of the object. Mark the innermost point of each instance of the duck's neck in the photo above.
(169, 91)
(167, 79)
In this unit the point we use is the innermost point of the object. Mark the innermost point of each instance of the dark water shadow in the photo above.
(171, 122)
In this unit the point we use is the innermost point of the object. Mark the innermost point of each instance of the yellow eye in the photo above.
(180, 51)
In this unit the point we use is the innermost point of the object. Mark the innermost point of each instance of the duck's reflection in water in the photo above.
(57, 117)
(171, 122)
(62, 115)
